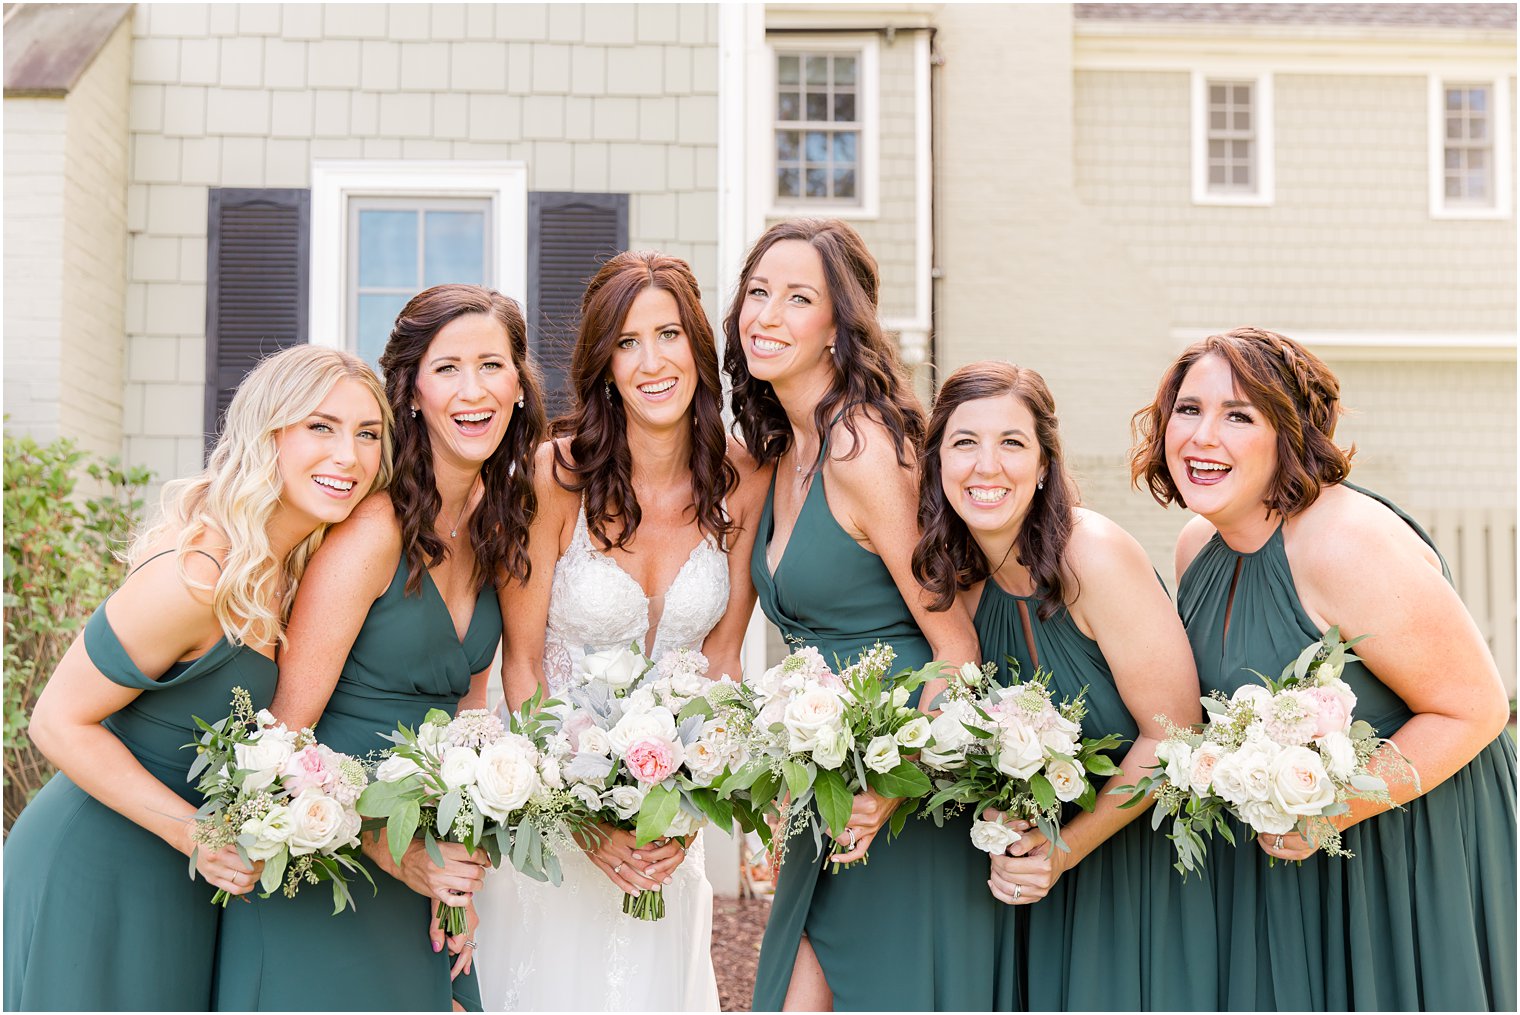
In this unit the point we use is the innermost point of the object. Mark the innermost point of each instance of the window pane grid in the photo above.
(1468, 141)
(817, 132)
(1231, 136)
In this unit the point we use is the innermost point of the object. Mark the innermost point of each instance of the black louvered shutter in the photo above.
(569, 237)
(258, 252)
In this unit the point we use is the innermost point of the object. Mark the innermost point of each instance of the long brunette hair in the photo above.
(947, 558)
(867, 371)
(499, 527)
(600, 466)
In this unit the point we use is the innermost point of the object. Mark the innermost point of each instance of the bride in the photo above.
(645, 521)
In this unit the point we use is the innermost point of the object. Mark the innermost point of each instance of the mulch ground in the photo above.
(738, 925)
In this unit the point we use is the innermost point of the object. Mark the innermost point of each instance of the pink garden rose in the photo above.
(1329, 711)
(651, 759)
(309, 768)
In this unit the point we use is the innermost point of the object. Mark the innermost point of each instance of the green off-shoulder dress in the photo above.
(284, 954)
(913, 929)
(1118, 930)
(100, 913)
(1423, 916)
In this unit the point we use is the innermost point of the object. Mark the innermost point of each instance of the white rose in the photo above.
(1257, 696)
(594, 741)
(395, 768)
(808, 713)
(624, 800)
(881, 754)
(549, 772)
(1066, 778)
(458, 767)
(949, 731)
(316, 821)
(1256, 768)
(1339, 755)
(1058, 741)
(505, 778)
(587, 795)
(993, 836)
(1019, 752)
(831, 747)
(1177, 756)
(1264, 816)
(704, 761)
(915, 734)
(263, 757)
(1299, 783)
(687, 684)
(657, 722)
(270, 833)
(1229, 780)
(617, 668)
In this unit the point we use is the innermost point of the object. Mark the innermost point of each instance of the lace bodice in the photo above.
(594, 604)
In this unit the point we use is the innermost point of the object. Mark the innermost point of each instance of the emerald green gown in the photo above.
(1117, 930)
(282, 954)
(912, 930)
(100, 913)
(1423, 916)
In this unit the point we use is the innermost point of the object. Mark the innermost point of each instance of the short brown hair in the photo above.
(1293, 388)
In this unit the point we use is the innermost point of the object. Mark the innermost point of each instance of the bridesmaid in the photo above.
(399, 616)
(819, 394)
(1055, 586)
(1423, 917)
(99, 914)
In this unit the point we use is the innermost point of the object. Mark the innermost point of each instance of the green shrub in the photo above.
(60, 563)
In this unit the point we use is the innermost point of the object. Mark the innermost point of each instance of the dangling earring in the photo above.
(607, 389)
(1041, 484)
(520, 399)
(414, 412)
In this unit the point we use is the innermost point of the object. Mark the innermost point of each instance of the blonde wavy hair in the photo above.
(236, 496)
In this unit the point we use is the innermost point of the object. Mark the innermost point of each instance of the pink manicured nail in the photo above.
(437, 946)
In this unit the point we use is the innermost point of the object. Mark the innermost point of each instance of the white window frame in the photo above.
(333, 182)
(1261, 110)
(868, 115)
(1499, 114)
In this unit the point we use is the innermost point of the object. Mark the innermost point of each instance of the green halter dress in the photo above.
(1423, 916)
(1117, 930)
(913, 929)
(282, 954)
(99, 912)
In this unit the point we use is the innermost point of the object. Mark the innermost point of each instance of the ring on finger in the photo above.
(1018, 891)
(1278, 843)
(851, 832)
(617, 868)
(471, 944)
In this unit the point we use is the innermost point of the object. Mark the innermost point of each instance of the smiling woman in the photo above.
(399, 616)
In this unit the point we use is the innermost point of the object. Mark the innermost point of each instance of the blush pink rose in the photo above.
(651, 759)
(1329, 711)
(308, 769)
(578, 723)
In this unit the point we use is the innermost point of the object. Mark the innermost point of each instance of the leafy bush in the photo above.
(60, 563)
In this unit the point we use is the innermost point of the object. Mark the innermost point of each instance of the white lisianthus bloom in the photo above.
(587, 795)
(881, 754)
(687, 684)
(1264, 816)
(505, 778)
(270, 833)
(915, 734)
(264, 717)
(993, 836)
(1177, 757)
(624, 800)
(900, 696)
(458, 767)
(263, 757)
(548, 771)
(809, 713)
(395, 768)
(617, 668)
(1299, 783)
(1066, 778)
(831, 747)
(433, 736)
(970, 674)
(1020, 753)
(1339, 755)
(594, 740)
(657, 723)
(316, 821)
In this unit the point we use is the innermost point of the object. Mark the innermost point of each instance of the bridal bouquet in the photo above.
(648, 746)
(278, 796)
(1282, 757)
(1014, 749)
(470, 779)
(826, 737)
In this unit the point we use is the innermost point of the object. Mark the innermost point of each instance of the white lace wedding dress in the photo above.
(572, 948)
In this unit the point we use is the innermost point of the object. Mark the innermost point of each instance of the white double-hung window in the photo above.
(824, 125)
(1469, 149)
(1232, 138)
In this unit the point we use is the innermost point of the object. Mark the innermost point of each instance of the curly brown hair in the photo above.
(1292, 388)
(867, 374)
(499, 527)
(947, 558)
(599, 466)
